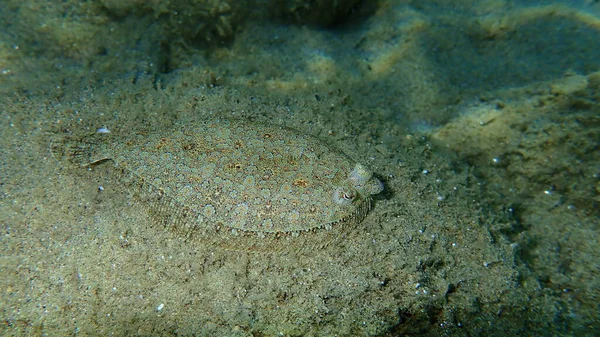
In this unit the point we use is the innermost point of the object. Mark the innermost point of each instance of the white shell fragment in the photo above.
(103, 130)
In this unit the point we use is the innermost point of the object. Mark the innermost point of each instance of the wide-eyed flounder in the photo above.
(236, 183)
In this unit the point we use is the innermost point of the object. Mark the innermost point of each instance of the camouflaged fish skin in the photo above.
(225, 178)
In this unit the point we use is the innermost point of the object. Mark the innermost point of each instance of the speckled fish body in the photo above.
(237, 183)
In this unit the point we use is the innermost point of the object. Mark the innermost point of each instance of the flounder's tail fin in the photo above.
(79, 151)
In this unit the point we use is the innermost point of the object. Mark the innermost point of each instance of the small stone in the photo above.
(381, 148)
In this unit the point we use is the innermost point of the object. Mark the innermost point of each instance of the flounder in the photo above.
(236, 184)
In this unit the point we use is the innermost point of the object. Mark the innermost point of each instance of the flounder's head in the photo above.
(360, 184)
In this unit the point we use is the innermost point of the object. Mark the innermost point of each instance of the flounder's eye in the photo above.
(360, 175)
(343, 196)
(373, 186)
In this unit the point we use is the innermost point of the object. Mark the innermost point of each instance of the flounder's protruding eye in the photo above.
(373, 186)
(360, 184)
(364, 182)
(360, 175)
(343, 196)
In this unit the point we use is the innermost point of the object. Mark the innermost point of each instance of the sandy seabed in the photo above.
(480, 117)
